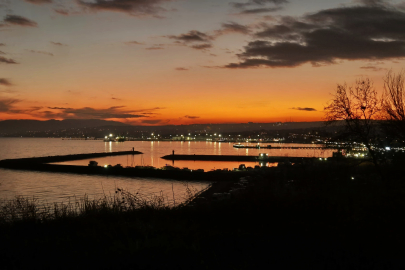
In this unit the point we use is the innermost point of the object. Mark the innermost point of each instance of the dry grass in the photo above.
(31, 209)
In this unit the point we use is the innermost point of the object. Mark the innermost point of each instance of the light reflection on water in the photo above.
(54, 187)
(59, 187)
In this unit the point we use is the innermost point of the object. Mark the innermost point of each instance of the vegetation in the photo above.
(23, 209)
(325, 216)
(393, 104)
(359, 106)
(370, 119)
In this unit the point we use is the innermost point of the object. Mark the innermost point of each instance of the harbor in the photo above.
(167, 172)
(54, 170)
(42, 164)
(258, 146)
(260, 158)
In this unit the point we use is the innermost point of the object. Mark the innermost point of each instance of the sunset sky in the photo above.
(155, 62)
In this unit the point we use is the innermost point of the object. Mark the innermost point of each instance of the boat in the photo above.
(238, 145)
(111, 138)
(120, 139)
(108, 139)
(257, 146)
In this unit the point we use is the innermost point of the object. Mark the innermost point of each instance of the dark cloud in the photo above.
(18, 20)
(195, 39)
(116, 98)
(41, 52)
(6, 105)
(39, 1)
(64, 12)
(201, 46)
(304, 109)
(155, 47)
(91, 113)
(181, 69)
(133, 7)
(260, 10)
(58, 43)
(191, 117)
(379, 3)
(2, 44)
(5, 82)
(134, 43)
(259, 6)
(232, 27)
(401, 6)
(57, 108)
(367, 32)
(2, 52)
(258, 3)
(192, 36)
(373, 68)
(7, 60)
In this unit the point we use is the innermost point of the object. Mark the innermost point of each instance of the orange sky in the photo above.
(169, 62)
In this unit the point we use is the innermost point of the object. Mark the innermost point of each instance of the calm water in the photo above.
(56, 187)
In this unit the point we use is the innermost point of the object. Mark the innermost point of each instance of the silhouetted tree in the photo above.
(359, 107)
(393, 107)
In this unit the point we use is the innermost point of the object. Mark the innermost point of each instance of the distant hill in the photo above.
(17, 126)
(99, 128)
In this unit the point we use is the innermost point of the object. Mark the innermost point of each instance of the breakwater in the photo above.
(53, 159)
(236, 158)
(281, 147)
(133, 172)
(42, 164)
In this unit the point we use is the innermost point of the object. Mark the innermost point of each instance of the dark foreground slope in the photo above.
(294, 218)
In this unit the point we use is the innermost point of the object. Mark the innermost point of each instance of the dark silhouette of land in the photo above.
(80, 127)
(325, 216)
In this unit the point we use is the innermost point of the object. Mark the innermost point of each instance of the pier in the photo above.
(42, 164)
(279, 147)
(236, 158)
(53, 159)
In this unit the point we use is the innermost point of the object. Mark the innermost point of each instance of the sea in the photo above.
(61, 187)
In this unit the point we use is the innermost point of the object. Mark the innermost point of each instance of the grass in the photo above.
(290, 218)
(23, 209)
